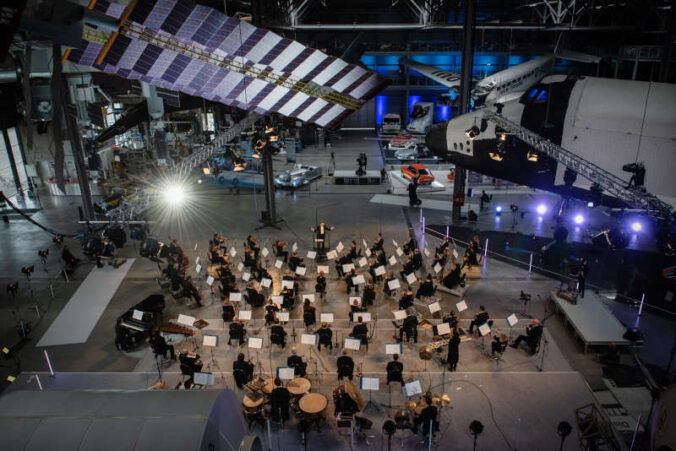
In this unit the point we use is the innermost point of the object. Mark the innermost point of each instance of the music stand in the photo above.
(370, 384)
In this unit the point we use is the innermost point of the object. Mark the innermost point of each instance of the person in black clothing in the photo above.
(532, 337)
(498, 344)
(479, 319)
(345, 365)
(190, 364)
(355, 307)
(369, 293)
(350, 283)
(246, 369)
(249, 258)
(122, 341)
(484, 199)
(278, 335)
(343, 402)
(353, 253)
(378, 243)
(453, 349)
(340, 261)
(297, 363)
(406, 300)
(412, 189)
(228, 311)
(426, 288)
(417, 259)
(309, 314)
(320, 286)
(581, 280)
(279, 250)
(410, 327)
(408, 268)
(361, 331)
(295, 261)
(160, 347)
(409, 245)
(450, 319)
(427, 416)
(386, 286)
(453, 278)
(325, 335)
(320, 231)
(237, 332)
(394, 370)
(280, 398)
(191, 291)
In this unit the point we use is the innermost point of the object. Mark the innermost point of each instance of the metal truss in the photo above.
(611, 184)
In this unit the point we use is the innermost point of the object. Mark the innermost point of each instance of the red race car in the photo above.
(420, 171)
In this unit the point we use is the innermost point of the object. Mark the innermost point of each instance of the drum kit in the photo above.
(405, 418)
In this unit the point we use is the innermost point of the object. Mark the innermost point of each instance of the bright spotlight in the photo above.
(636, 226)
(590, 204)
(542, 209)
(498, 209)
(174, 194)
(579, 219)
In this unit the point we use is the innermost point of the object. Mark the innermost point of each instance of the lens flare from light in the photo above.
(542, 209)
(174, 194)
(498, 209)
(579, 219)
(636, 226)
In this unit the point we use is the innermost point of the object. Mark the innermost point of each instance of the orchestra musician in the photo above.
(320, 286)
(340, 261)
(410, 327)
(453, 349)
(345, 365)
(279, 250)
(453, 278)
(160, 347)
(409, 245)
(237, 331)
(378, 243)
(353, 253)
(252, 243)
(350, 283)
(190, 364)
(532, 337)
(242, 370)
(386, 287)
(216, 255)
(347, 399)
(278, 335)
(369, 296)
(297, 363)
(450, 319)
(427, 416)
(309, 314)
(191, 291)
(417, 259)
(218, 239)
(426, 288)
(406, 300)
(325, 335)
(280, 399)
(479, 319)
(295, 261)
(395, 370)
(498, 344)
(361, 332)
(320, 233)
(355, 307)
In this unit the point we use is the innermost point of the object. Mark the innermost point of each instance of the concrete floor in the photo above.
(497, 394)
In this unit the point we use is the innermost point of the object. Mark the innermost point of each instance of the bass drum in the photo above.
(251, 443)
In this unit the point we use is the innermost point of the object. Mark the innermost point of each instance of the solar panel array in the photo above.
(178, 45)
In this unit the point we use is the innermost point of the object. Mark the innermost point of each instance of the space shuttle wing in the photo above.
(444, 77)
(577, 56)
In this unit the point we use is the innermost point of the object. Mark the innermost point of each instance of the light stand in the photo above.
(564, 429)
(476, 428)
(270, 219)
(389, 428)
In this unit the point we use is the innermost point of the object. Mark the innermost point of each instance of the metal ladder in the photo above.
(612, 184)
(128, 210)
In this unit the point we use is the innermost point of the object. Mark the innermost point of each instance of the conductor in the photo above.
(320, 234)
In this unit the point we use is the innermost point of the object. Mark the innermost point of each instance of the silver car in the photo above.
(300, 175)
(414, 153)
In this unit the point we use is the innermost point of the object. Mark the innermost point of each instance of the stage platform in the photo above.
(592, 323)
(351, 178)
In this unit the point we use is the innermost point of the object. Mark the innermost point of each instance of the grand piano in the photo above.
(140, 327)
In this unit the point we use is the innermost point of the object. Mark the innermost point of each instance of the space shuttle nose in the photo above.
(436, 139)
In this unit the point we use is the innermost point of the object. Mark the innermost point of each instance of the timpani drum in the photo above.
(298, 386)
(313, 403)
(268, 386)
(252, 405)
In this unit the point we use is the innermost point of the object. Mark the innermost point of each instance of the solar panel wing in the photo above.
(194, 49)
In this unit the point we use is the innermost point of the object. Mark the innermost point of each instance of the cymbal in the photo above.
(445, 399)
(425, 353)
(436, 400)
(409, 405)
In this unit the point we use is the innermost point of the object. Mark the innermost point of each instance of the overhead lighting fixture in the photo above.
(590, 204)
(542, 209)
(578, 219)
(636, 226)
(174, 194)
(238, 163)
(532, 156)
(498, 210)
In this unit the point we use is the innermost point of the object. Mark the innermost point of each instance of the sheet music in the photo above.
(294, 248)
(340, 247)
(412, 388)
(283, 317)
(245, 315)
(411, 279)
(426, 252)
(348, 267)
(455, 254)
(265, 282)
(233, 252)
(324, 269)
(265, 252)
(186, 320)
(443, 328)
(198, 269)
(369, 383)
(308, 339)
(194, 248)
(379, 270)
(279, 263)
(393, 348)
(300, 270)
(367, 252)
(210, 280)
(277, 299)
(437, 268)
(286, 373)
(393, 284)
(311, 255)
(395, 243)
(461, 306)
(393, 260)
(203, 379)
(363, 262)
(399, 252)
(288, 284)
(512, 320)
(331, 255)
(235, 296)
(197, 260)
(246, 276)
(210, 340)
(434, 307)
(364, 243)
(255, 342)
(358, 280)
(399, 314)
(352, 343)
(484, 329)
(326, 317)
(240, 266)
(137, 314)
(365, 317)
(310, 296)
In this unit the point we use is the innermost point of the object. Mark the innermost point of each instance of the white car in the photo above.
(298, 176)
(414, 154)
(402, 142)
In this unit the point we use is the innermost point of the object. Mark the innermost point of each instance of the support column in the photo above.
(465, 95)
(270, 206)
(12, 162)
